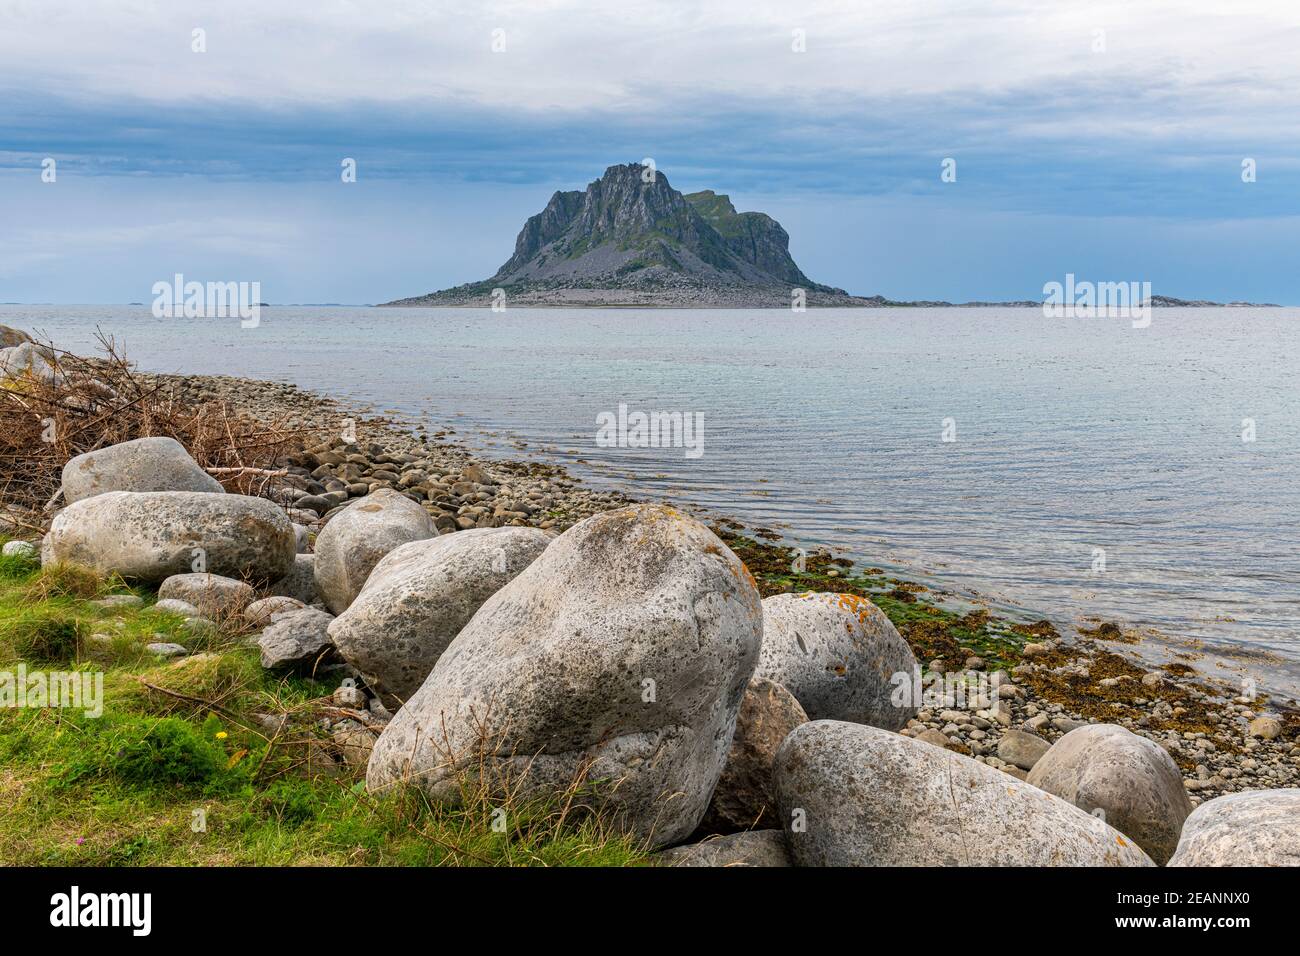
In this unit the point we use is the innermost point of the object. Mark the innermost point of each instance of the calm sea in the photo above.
(1077, 443)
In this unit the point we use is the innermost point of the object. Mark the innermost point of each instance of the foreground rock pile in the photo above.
(493, 636)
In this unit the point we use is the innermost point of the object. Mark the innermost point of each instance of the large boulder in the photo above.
(146, 464)
(750, 848)
(617, 658)
(296, 640)
(839, 655)
(743, 797)
(148, 536)
(1132, 781)
(1256, 828)
(354, 540)
(852, 795)
(212, 594)
(419, 596)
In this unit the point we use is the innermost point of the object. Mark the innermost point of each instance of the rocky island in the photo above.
(631, 239)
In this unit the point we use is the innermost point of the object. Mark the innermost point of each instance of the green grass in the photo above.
(178, 770)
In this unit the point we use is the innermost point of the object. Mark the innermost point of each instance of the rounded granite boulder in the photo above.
(617, 659)
(840, 657)
(149, 536)
(853, 795)
(212, 594)
(354, 540)
(145, 464)
(420, 595)
(1132, 782)
(1255, 828)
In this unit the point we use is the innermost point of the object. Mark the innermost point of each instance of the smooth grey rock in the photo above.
(420, 595)
(166, 649)
(145, 464)
(119, 600)
(264, 611)
(21, 549)
(298, 639)
(177, 606)
(358, 536)
(302, 538)
(743, 797)
(619, 656)
(838, 654)
(1256, 828)
(750, 848)
(212, 594)
(300, 582)
(1132, 781)
(853, 795)
(151, 535)
(1022, 748)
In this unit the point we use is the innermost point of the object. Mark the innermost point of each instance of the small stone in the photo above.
(119, 600)
(21, 549)
(166, 650)
(1265, 727)
(1022, 748)
(177, 606)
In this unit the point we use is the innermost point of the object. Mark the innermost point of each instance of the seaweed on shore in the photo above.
(934, 632)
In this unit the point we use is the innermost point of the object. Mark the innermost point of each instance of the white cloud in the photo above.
(642, 55)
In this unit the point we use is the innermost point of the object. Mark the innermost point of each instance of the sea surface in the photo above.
(1097, 471)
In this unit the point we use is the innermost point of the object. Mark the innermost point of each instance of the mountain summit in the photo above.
(630, 238)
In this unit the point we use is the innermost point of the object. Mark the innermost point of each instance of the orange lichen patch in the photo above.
(1120, 840)
(859, 607)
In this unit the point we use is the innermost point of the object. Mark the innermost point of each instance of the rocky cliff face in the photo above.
(631, 231)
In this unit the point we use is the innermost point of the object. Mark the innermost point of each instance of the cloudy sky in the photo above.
(1103, 139)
